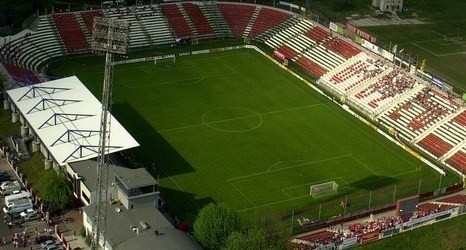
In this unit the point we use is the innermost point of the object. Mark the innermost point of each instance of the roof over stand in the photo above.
(66, 117)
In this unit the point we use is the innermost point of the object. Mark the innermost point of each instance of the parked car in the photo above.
(29, 214)
(54, 247)
(4, 178)
(43, 238)
(47, 243)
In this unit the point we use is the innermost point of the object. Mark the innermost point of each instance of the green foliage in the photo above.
(254, 238)
(213, 225)
(257, 238)
(55, 190)
(13, 13)
(236, 241)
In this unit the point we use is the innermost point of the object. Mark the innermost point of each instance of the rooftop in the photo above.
(132, 178)
(66, 117)
(121, 235)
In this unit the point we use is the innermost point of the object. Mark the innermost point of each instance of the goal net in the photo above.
(165, 60)
(323, 189)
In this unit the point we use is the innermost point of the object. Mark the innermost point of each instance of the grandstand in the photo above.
(370, 229)
(389, 95)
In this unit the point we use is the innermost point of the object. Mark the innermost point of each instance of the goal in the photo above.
(323, 189)
(165, 60)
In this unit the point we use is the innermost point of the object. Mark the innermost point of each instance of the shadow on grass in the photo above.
(161, 160)
(183, 204)
(155, 153)
(373, 182)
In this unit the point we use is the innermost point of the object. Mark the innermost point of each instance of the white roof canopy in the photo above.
(66, 117)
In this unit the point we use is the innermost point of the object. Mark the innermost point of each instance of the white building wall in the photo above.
(389, 5)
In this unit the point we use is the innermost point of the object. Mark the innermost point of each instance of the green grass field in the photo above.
(442, 45)
(232, 127)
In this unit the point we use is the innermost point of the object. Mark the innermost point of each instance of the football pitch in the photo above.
(233, 127)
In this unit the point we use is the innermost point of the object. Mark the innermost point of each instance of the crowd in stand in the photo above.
(371, 73)
(392, 84)
(9, 54)
(127, 11)
(375, 225)
(334, 236)
(428, 209)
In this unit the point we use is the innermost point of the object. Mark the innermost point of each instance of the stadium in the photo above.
(266, 111)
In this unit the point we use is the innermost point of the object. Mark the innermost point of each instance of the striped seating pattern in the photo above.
(458, 160)
(267, 19)
(88, 18)
(311, 66)
(435, 145)
(70, 32)
(20, 74)
(341, 47)
(237, 16)
(176, 20)
(418, 112)
(317, 34)
(197, 18)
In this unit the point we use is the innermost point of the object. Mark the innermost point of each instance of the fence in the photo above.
(352, 203)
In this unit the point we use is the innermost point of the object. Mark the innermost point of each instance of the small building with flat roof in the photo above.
(139, 228)
(133, 188)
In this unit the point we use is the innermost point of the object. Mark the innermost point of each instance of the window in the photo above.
(142, 190)
(86, 198)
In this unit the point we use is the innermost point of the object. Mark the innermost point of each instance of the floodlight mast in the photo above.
(109, 36)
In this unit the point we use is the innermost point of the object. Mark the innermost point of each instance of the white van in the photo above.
(16, 195)
(18, 206)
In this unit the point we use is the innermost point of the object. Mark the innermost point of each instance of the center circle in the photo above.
(232, 119)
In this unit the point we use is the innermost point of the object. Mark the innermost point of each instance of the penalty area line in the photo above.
(290, 167)
(242, 194)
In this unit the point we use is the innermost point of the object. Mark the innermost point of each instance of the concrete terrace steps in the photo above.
(254, 16)
(215, 18)
(188, 20)
(83, 26)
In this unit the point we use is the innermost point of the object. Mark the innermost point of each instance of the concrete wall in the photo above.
(146, 200)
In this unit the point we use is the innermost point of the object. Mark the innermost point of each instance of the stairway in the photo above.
(188, 20)
(144, 30)
(49, 21)
(215, 18)
(251, 22)
(83, 27)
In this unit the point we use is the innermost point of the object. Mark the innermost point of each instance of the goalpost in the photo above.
(169, 59)
(323, 189)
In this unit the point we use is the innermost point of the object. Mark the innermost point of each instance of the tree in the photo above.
(55, 191)
(253, 238)
(257, 238)
(236, 241)
(213, 225)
